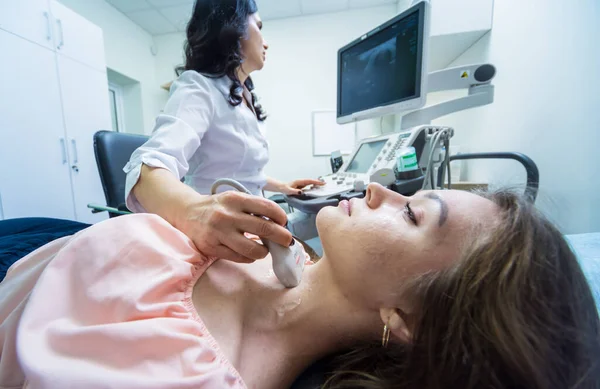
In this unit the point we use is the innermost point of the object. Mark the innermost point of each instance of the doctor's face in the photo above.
(254, 46)
(376, 243)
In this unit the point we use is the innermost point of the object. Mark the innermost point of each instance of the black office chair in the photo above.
(113, 150)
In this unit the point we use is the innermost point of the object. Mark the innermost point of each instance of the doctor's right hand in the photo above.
(216, 224)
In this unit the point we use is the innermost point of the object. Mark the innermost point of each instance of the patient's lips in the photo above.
(345, 205)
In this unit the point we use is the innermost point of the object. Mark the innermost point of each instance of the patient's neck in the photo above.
(310, 321)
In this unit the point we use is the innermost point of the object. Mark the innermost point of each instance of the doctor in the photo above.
(213, 127)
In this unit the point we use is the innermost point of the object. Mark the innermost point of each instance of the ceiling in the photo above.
(166, 16)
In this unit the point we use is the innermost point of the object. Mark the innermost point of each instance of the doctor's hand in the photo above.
(216, 224)
(295, 187)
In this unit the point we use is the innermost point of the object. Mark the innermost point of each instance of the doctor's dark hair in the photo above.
(514, 312)
(213, 45)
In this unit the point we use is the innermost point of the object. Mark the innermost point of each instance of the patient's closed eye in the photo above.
(409, 212)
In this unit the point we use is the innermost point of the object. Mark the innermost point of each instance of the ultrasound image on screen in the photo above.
(382, 69)
(365, 157)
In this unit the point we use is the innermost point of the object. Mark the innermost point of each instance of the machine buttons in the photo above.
(359, 185)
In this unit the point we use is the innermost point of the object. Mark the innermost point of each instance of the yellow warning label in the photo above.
(464, 74)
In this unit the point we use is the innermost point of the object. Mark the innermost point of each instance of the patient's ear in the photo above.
(397, 321)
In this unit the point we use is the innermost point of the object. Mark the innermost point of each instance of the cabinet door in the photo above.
(29, 19)
(78, 38)
(86, 111)
(34, 174)
(461, 16)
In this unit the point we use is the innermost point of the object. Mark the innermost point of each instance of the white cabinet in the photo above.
(29, 19)
(458, 16)
(34, 170)
(56, 98)
(85, 112)
(456, 25)
(77, 38)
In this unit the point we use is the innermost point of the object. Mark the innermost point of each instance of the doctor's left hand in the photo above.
(295, 187)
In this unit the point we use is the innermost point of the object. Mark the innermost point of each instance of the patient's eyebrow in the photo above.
(443, 207)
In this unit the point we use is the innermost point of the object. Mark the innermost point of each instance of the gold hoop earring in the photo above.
(386, 334)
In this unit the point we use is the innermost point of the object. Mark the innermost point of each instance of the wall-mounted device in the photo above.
(385, 71)
(477, 79)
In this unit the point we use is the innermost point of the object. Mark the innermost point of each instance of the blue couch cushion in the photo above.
(587, 249)
(19, 237)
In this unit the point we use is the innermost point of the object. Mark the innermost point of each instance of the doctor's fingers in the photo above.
(264, 229)
(224, 252)
(238, 248)
(255, 205)
(309, 181)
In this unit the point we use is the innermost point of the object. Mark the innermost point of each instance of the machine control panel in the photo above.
(371, 157)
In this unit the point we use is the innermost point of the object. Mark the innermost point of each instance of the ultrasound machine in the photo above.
(385, 72)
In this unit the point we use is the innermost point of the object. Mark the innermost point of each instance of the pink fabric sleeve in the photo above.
(14, 295)
(113, 309)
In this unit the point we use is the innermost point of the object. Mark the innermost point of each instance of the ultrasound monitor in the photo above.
(385, 71)
(364, 157)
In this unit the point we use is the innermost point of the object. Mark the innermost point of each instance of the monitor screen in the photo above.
(384, 67)
(365, 156)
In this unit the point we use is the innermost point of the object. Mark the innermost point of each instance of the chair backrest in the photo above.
(113, 150)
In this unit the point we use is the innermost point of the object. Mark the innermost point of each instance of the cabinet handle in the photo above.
(64, 150)
(61, 43)
(48, 27)
(74, 145)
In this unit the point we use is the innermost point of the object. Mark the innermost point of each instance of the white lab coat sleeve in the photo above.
(177, 134)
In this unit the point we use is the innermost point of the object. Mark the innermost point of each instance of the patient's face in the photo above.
(376, 243)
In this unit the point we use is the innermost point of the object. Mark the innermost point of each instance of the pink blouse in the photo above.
(110, 307)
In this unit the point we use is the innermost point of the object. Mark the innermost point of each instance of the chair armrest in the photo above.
(102, 208)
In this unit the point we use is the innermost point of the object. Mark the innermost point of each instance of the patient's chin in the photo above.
(325, 221)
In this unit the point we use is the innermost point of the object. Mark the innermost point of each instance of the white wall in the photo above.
(127, 48)
(546, 104)
(169, 55)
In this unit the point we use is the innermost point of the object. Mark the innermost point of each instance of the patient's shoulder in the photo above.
(127, 249)
(117, 298)
(142, 229)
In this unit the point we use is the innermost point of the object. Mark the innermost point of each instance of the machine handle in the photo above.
(48, 27)
(61, 42)
(74, 145)
(64, 150)
(533, 174)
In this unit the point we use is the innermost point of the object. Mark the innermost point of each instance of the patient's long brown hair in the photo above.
(515, 312)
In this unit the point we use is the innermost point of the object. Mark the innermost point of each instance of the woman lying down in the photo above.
(441, 290)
